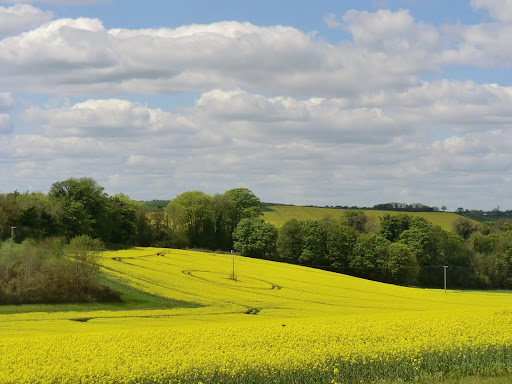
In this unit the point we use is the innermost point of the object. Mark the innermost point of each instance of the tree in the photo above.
(123, 217)
(10, 212)
(254, 237)
(224, 208)
(84, 251)
(370, 253)
(82, 208)
(401, 265)
(314, 243)
(443, 208)
(341, 240)
(192, 214)
(391, 227)
(289, 241)
(246, 204)
(464, 227)
(243, 204)
(359, 221)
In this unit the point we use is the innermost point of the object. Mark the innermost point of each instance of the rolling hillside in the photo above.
(275, 288)
(279, 214)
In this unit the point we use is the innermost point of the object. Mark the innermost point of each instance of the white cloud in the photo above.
(391, 31)
(498, 9)
(82, 57)
(6, 101)
(5, 123)
(253, 115)
(332, 21)
(351, 122)
(106, 118)
(389, 51)
(21, 17)
(462, 106)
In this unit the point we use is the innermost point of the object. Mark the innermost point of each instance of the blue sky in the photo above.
(325, 102)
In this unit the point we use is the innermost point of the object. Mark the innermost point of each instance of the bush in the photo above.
(48, 272)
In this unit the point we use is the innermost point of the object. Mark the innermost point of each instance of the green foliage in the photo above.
(420, 243)
(401, 266)
(464, 227)
(359, 221)
(192, 214)
(246, 204)
(314, 243)
(391, 227)
(200, 220)
(49, 272)
(254, 237)
(370, 253)
(84, 251)
(83, 207)
(289, 241)
(341, 240)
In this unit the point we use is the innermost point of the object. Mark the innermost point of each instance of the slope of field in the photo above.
(274, 323)
(277, 289)
(279, 214)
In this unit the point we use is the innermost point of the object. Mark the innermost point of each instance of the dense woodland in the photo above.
(400, 249)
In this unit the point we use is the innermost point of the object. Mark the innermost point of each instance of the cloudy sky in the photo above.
(327, 102)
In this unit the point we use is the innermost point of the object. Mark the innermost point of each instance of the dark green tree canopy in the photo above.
(254, 237)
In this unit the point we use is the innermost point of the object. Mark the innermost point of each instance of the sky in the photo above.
(323, 103)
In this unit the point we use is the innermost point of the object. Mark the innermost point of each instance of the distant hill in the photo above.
(278, 214)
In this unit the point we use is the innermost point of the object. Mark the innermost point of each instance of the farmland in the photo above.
(273, 322)
(279, 214)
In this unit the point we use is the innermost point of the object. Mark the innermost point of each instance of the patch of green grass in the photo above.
(132, 299)
(279, 214)
(507, 379)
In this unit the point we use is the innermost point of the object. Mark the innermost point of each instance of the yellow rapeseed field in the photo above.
(273, 323)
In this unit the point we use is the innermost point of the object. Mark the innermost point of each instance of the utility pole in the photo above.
(233, 276)
(12, 239)
(444, 268)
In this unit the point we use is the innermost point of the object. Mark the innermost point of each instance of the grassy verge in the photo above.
(462, 380)
(132, 299)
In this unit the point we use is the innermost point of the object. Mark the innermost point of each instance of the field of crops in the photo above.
(273, 323)
(279, 214)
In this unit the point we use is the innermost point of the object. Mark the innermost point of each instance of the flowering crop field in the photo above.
(273, 323)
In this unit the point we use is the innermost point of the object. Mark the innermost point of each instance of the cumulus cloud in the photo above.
(390, 31)
(285, 146)
(106, 118)
(21, 17)
(6, 101)
(390, 50)
(81, 56)
(498, 9)
(5, 123)
(279, 110)
(462, 106)
(332, 21)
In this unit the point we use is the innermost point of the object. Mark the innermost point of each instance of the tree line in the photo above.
(76, 207)
(400, 249)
